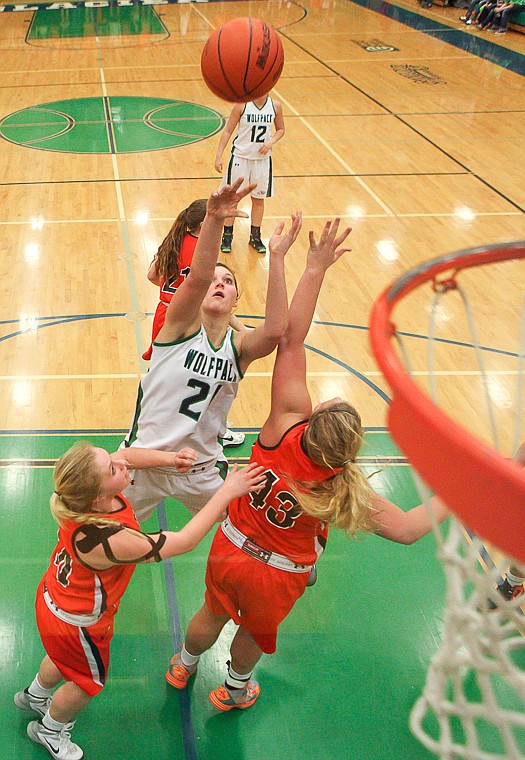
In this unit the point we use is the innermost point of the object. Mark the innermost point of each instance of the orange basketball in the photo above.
(242, 60)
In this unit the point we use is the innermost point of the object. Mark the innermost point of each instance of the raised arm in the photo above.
(252, 344)
(290, 398)
(118, 545)
(231, 124)
(183, 314)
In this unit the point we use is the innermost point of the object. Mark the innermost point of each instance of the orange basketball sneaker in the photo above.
(225, 700)
(178, 674)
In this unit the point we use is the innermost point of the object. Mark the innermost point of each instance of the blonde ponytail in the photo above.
(332, 439)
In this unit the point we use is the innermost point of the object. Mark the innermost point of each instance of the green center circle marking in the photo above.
(111, 125)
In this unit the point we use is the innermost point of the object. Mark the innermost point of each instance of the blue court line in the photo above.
(469, 42)
(64, 319)
(348, 368)
(352, 371)
(447, 341)
(52, 322)
(188, 732)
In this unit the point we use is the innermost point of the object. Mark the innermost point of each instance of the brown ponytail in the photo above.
(167, 257)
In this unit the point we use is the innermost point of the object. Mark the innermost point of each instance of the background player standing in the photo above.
(251, 158)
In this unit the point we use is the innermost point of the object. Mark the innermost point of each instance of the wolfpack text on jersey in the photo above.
(185, 398)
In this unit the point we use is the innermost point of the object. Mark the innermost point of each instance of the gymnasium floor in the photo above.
(404, 122)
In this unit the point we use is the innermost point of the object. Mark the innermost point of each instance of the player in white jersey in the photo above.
(260, 124)
(198, 361)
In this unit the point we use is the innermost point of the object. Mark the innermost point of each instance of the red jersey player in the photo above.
(263, 553)
(99, 545)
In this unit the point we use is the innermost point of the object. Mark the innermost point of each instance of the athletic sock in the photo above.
(236, 681)
(514, 580)
(51, 724)
(228, 229)
(188, 659)
(36, 690)
(255, 232)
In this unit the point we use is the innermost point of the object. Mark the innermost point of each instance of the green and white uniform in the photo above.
(255, 128)
(184, 400)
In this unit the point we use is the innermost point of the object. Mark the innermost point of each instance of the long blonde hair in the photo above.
(77, 485)
(167, 257)
(332, 439)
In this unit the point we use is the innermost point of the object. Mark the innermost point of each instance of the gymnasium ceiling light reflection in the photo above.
(387, 250)
(464, 213)
(355, 212)
(499, 391)
(141, 217)
(21, 394)
(32, 253)
(37, 222)
(27, 323)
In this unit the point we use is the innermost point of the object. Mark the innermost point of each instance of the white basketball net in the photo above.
(473, 703)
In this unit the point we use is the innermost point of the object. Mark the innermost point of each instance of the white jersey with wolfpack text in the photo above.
(185, 398)
(255, 128)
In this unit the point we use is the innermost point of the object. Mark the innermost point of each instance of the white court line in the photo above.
(327, 375)
(343, 214)
(336, 155)
(124, 231)
(203, 17)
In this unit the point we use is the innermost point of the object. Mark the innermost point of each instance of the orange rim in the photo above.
(483, 489)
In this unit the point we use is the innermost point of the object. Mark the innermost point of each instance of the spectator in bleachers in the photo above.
(502, 13)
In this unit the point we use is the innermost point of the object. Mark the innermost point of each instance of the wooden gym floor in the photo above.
(404, 122)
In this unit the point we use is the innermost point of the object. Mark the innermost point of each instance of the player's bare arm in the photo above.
(260, 342)
(231, 125)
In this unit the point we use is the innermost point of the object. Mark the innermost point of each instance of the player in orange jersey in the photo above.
(99, 545)
(263, 553)
(171, 264)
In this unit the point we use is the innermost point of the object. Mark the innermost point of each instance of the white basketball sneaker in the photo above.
(57, 743)
(232, 439)
(27, 701)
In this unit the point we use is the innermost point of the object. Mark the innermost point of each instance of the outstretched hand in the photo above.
(184, 459)
(240, 482)
(328, 250)
(223, 203)
(281, 242)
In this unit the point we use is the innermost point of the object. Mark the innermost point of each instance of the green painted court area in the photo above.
(111, 125)
(351, 657)
(95, 22)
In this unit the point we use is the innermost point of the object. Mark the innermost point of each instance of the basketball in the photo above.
(242, 60)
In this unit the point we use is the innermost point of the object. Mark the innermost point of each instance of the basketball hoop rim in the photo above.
(472, 478)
